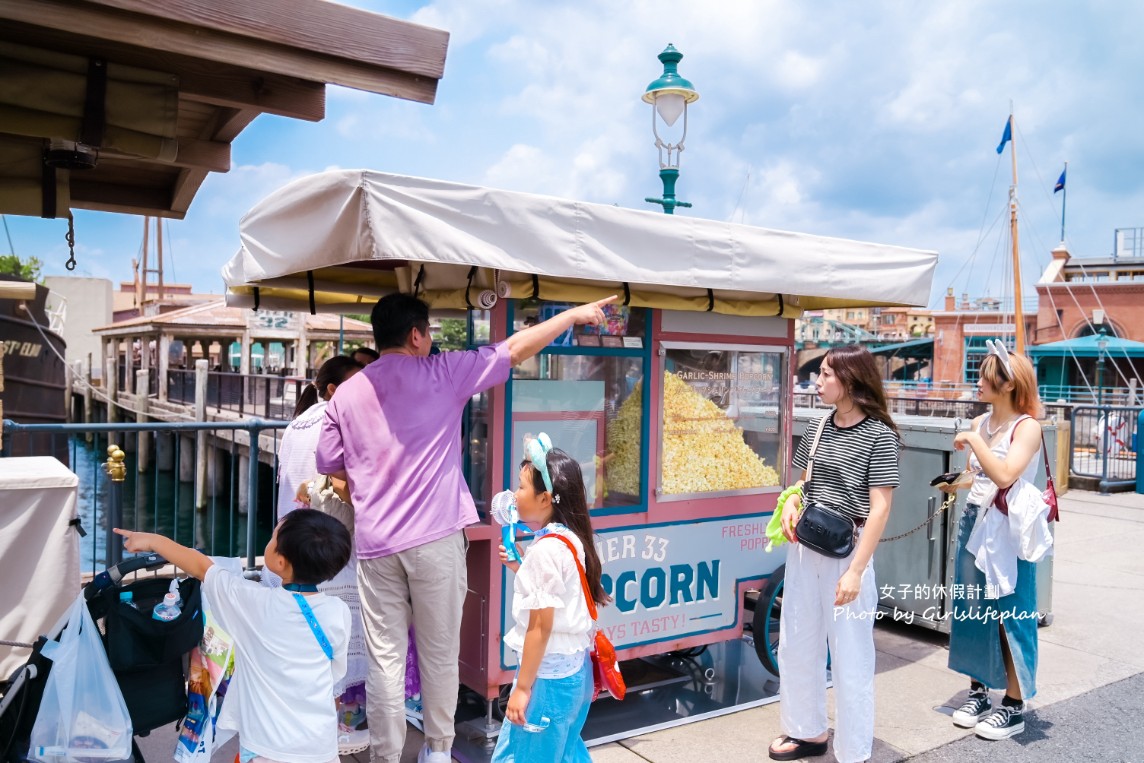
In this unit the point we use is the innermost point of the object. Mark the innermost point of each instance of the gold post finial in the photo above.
(114, 465)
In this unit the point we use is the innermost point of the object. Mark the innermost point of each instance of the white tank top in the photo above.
(983, 487)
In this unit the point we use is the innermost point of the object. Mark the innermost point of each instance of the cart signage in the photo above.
(672, 581)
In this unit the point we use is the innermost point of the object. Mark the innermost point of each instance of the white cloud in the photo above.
(873, 120)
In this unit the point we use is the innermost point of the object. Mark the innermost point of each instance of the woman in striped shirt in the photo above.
(828, 600)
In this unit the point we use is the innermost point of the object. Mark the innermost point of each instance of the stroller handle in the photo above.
(112, 575)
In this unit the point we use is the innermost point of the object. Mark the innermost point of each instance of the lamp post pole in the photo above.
(1101, 345)
(1101, 413)
(669, 96)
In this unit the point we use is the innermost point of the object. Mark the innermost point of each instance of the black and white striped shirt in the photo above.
(849, 461)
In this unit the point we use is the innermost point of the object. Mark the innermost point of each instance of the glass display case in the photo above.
(470, 332)
(720, 420)
(586, 392)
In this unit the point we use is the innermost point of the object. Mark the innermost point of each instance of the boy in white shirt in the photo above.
(290, 642)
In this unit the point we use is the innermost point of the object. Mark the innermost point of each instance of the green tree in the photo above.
(28, 270)
(454, 334)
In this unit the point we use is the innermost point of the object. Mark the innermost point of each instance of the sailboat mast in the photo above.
(1018, 313)
(159, 245)
(141, 283)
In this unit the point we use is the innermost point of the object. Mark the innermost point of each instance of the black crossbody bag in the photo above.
(819, 528)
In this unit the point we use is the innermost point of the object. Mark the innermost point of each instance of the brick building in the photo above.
(1076, 294)
(961, 329)
(1075, 297)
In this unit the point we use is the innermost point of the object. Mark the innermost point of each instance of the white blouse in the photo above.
(548, 578)
(296, 462)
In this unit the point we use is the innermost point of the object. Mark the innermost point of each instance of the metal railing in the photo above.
(941, 407)
(265, 395)
(1103, 442)
(192, 495)
(911, 406)
(1123, 396)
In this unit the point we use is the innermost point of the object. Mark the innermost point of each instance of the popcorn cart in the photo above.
(679, 408)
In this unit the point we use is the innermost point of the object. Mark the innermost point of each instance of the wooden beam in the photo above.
(107, 197)
(196, 154)
(151, 32)
(210, 82)
(310, 25)
(232, 87)
(228, 124)
(184, 190)
(213, 156)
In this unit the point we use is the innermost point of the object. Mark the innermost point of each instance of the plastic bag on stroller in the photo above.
(147, 657)
(82, 714)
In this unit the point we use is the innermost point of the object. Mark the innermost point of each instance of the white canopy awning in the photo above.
(336, 241)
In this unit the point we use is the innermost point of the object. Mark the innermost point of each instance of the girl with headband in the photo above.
(994, 640)
(552, 636)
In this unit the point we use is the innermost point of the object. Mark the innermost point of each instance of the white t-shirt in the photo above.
(548, 578)
(281, 699)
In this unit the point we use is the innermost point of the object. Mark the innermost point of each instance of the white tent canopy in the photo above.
(336, 241)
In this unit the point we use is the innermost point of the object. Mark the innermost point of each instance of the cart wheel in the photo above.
(1045, 620)
(501, 702)
(765, 624)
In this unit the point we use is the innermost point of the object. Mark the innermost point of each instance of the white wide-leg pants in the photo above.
(810, 621)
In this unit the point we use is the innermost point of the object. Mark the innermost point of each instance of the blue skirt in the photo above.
(975, 638)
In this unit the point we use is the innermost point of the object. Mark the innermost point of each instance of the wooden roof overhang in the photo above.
(210, 66)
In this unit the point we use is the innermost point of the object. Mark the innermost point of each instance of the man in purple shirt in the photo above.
(393, 432)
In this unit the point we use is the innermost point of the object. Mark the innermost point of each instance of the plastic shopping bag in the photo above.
(82, 715)
(211, 668)
(212, 665)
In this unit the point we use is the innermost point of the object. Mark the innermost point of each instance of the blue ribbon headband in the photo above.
(537, 452)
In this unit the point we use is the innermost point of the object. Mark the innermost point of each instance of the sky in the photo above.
(874, 120)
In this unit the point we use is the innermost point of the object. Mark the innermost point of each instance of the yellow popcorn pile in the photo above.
(703, 450)
(622, 465)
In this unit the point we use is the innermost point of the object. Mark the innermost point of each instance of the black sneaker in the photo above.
(1002, 723)
(976, 708)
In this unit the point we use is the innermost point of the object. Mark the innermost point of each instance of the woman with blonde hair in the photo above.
(993, 640)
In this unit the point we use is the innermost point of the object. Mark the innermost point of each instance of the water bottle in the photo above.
(175, 590)
(128, 598)
(167, 609)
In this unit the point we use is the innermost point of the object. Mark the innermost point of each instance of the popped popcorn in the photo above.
(703, 450)
(623, 462)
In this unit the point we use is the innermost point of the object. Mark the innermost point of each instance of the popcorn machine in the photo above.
(678, 409)
(681, 424)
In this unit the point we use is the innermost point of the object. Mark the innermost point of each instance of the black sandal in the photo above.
(802, 749)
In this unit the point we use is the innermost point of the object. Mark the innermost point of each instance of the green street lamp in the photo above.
(669, 96)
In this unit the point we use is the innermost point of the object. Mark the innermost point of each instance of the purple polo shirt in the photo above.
(395, 429)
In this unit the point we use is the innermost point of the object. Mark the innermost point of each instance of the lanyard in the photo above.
(314, 626)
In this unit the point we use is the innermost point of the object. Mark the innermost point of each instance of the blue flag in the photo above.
(1007, 135)
(1060, 186)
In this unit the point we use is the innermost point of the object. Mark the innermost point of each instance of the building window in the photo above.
(975, 352)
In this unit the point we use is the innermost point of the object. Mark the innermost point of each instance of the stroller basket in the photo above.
(147, 656)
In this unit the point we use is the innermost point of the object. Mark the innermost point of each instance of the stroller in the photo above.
(147, 656)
